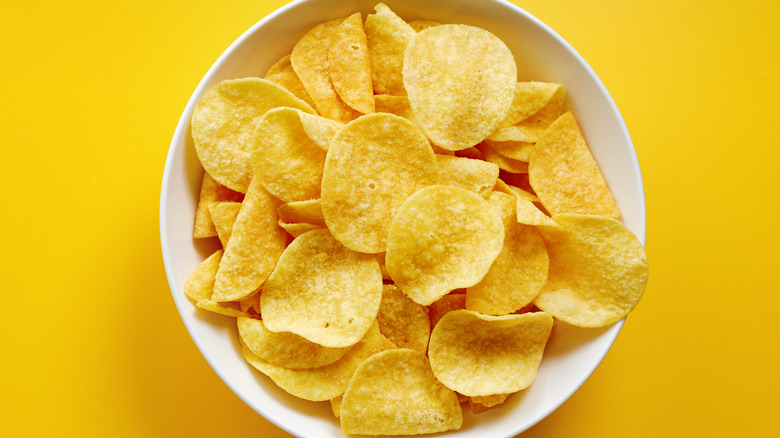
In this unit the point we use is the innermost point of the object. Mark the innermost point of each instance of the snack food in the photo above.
(304, 216)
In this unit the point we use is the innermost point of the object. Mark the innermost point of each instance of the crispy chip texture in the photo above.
(403, 321)
(388, 36)
(200, 284)
(373, 165)
(224, 215)
(282, 74)
(483, 403)
(210, 192)
(224, 120)
(309, 212)
(419, 25)
(349, 66)
(285, 349)
(445, 304)
(309, 59)
(255, 244)
(480, 355)
(564, 174)
(598, 270)
(474, 175)
(319, 129)
(460, 81)
(520, 270)
(326, 382)
(530, 98)
(285, 160)
(322, 291)
(442, 238)
(504, 163)
(395, 393)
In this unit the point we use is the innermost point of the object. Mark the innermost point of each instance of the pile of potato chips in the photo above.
(402, 222)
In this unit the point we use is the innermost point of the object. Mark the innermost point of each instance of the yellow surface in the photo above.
(92, 344)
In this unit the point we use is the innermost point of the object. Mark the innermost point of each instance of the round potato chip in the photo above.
(349, 66)
(395, 393)
(520, 270)
(598, 270)
(285, 349)
(322, 291)
(442, 238)
(403, 321)
(285, 160)
(224, 120)
(325, 382)
(373, 165)
(564, 174)
(480, 355)
(461, 83)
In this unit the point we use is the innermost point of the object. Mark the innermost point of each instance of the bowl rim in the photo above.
(182, 128)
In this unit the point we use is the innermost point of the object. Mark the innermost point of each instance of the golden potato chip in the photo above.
(283, 64)
(481, 404)
(200, 284)
(481, 355)
(282, 74)
(250, 306)
(388, 35)
(224, 215)
(529, 99)
(296, 230)
(224, 120)
(230, 308)
(528, 214)
(309, 212)
(504, 163)
(349, 66)
(335, 405)
(398, 105)
(445, 304)
(564, 174)
(442, 238)
(380, 257)
(534, 126)
(322, 291)
(210, 192)
(515, 150)
(285, 349)
(520, 270)
(419, 25)
(474, 175)
(255, 245)
(395, 393)
(373, 165)
(471, 152)
(285, 160)
(319, 129)
(598, 270)
(326, 382)
(309, 59)
(460, 81)
(402, 321)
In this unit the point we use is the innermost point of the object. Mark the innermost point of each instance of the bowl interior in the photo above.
(542, 55)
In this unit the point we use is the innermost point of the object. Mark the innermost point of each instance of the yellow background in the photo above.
(92, 344)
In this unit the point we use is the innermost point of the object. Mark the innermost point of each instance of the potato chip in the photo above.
(504, 163)
(282, 74)
(481, 355)
(322, 291)
(419, 25)
(564, 174)
(230, 308)
(373, 165)
(598, 270)
(296, 230)
(285, 160)
(224, 120)
(528, 214)
(471, 152)
(349, 66)
(445, 304)
(472, 61)
(319, 129)
(474, 175)
(402, 321)
(224, 215)
(530, 98)
(483, 403)
(255, 245)
(442, 238)
(520, 270)
(388, 35)
(326, 382)
(309, 59)
(335, 405)
(285, 349)
(532, 128)
(309, 212)
(210, 192)
(515, 150)
(200, 284)
(398, 105)
(395, 393)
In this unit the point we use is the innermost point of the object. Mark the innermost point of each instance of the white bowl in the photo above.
(572, 355)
